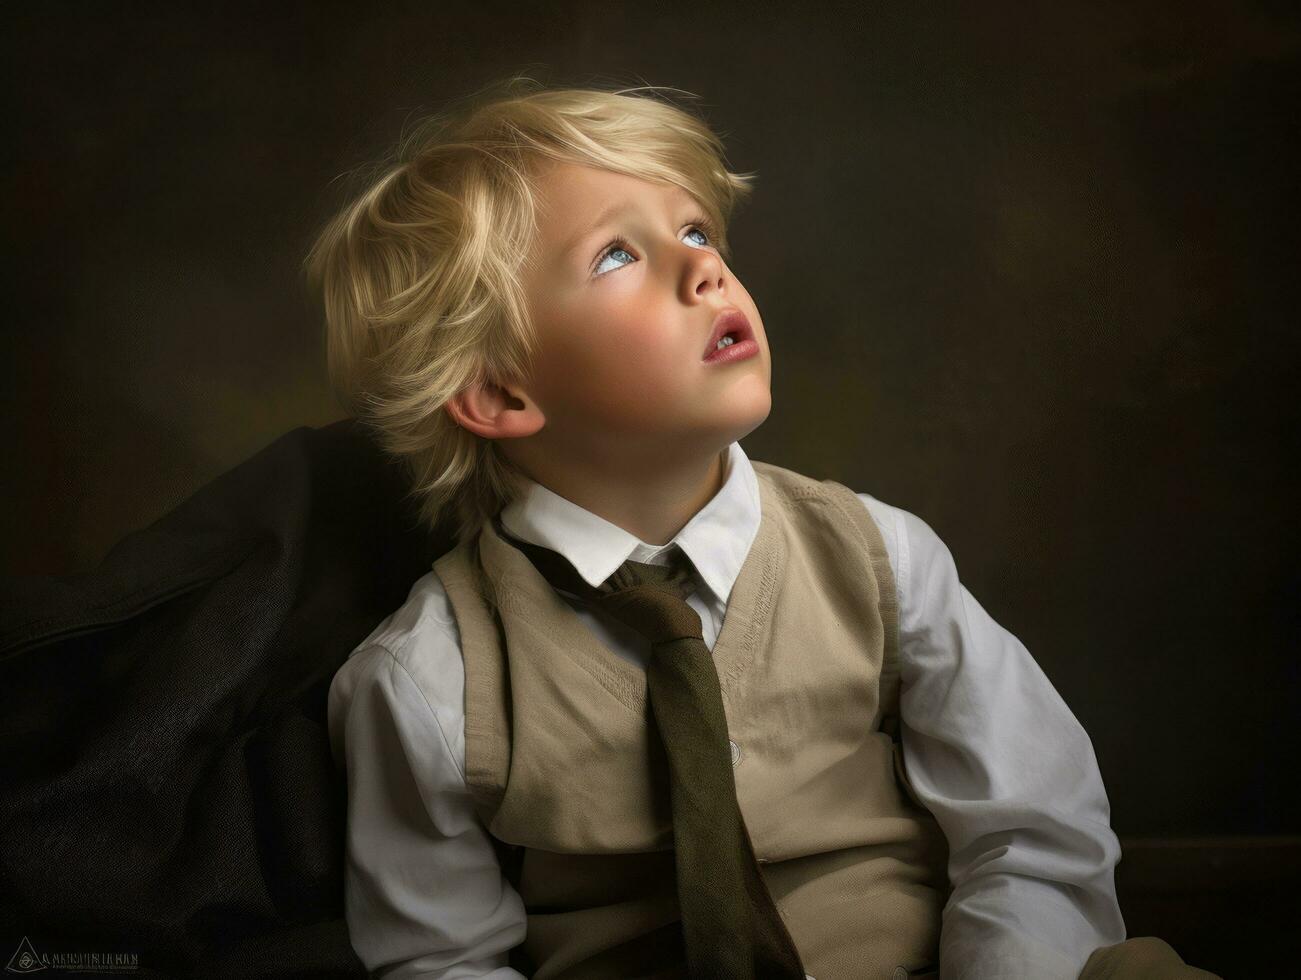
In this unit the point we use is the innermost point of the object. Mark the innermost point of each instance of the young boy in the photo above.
(533, 305)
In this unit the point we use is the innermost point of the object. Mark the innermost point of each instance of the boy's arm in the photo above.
(424, 893)
(1008, 772)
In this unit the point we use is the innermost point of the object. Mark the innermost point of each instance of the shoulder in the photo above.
(915, 537)
(926, 577)
(917, 554)
(790, 483)
(893, 522)
(798, 493)
(426, 614)
(419, 639)
(910, 539)
(889, 519)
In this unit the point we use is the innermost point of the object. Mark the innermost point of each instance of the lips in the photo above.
(730, 323)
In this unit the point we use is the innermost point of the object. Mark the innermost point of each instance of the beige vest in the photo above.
(571, 782)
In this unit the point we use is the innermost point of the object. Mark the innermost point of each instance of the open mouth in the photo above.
(732, 328)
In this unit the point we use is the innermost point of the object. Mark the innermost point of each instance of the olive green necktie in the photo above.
(730, 925)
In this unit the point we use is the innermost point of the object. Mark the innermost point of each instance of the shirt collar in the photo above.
(717, 539)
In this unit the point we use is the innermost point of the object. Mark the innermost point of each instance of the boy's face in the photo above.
(623, 329)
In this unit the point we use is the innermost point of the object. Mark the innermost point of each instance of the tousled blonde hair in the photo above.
(420, 274)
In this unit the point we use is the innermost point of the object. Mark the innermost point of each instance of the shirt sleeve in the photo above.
(1009, 774)
(424, 895)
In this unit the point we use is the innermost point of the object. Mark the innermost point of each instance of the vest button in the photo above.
(899, 974)
(736, 751)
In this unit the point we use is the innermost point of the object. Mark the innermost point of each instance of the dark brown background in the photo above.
(1028, 274)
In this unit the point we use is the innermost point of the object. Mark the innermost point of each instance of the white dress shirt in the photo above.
(991, 749)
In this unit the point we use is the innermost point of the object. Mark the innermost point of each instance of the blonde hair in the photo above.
(421, 273)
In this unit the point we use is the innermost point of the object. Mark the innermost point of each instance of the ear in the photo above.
(495, 411)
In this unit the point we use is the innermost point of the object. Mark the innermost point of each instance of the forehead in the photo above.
(573, 198)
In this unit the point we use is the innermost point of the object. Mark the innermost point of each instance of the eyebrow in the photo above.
(602, 218)
(614, 210)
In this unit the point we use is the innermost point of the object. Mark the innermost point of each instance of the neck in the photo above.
(652, 500)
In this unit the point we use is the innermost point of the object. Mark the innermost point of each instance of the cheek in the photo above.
(621, 365)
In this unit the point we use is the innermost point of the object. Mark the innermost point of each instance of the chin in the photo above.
(751, 418)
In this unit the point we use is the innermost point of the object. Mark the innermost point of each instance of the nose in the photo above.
(703, 274)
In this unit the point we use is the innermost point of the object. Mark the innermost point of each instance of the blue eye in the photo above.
(616, 248)
(620, 246)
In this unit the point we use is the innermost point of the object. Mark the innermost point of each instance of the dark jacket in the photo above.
(166, 784)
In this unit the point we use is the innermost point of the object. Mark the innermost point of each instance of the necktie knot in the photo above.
(651, 600)
(656, 614)
(675, 577)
